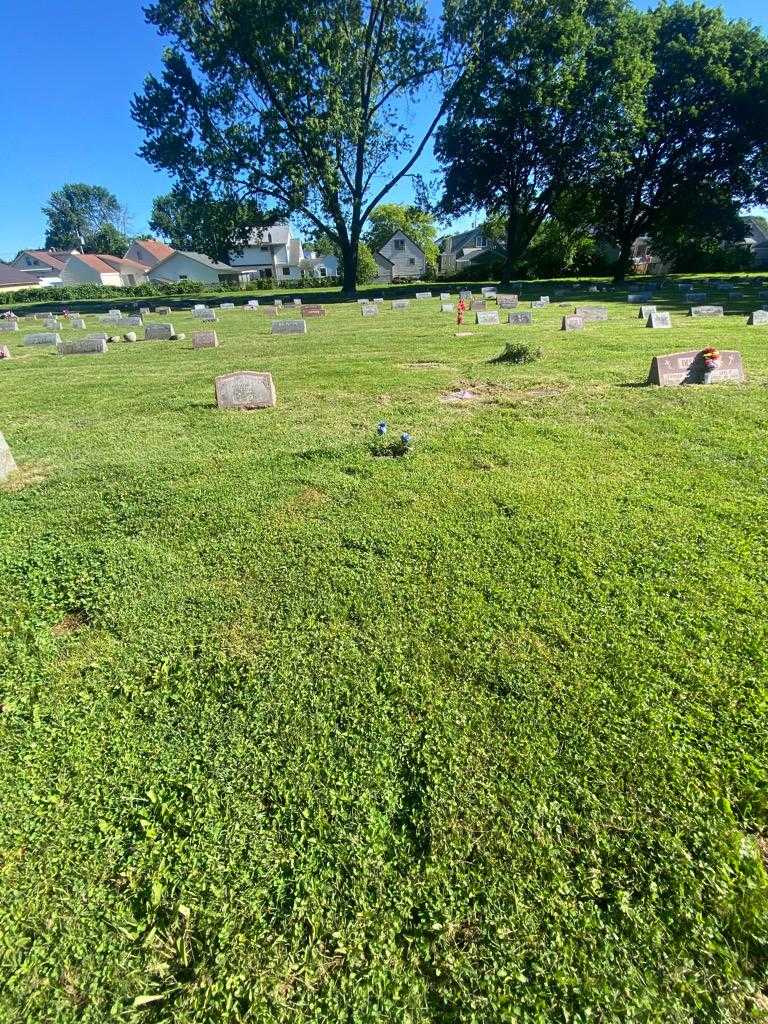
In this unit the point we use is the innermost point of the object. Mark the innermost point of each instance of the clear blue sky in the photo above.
(69, 71)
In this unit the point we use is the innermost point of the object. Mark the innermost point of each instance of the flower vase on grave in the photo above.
(711, 363)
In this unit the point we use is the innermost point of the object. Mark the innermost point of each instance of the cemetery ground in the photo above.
(290, 732)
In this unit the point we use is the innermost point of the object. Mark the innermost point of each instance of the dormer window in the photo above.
(399, 245)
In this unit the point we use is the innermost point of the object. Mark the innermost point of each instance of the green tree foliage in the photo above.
(202, 223)
(535, 107)
(699, 128)
(367, 268)
(418, 224)
(701, 232)
(77, 213)
(293, 103)
(108, 239)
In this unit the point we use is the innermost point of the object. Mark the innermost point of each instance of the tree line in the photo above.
(587, 112)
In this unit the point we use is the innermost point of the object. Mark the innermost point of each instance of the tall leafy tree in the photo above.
(534, 109)
(418, 224)
(696, 142)
(202, 223)
(76, 212)
(292, 103)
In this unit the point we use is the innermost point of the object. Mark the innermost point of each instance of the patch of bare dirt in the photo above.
(23, 477)
(425, 364)
(485, 392)
(71, 623)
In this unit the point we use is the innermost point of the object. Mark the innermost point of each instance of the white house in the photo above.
(386, 268)
(463, 250)
(192, 266)
(407, 259)
(44, 266)
(275, 252)
(148, 251)
(112, 271)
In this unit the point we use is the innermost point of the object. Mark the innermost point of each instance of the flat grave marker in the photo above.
(538, 304)
(77, 323)
(207, 315)
(226, 305)
(701, 311)
(658, 320)
(688, 368)
(312, 310)
(42, 339)
(400, 304)
(245, 389)
(205, 339)
(520, 319)
(7, 463)
(158, 332)
(6, 326)
(592, 314)
(572, 322)
(289, 326)
(81, 347)
(52, 325)
(369, 309)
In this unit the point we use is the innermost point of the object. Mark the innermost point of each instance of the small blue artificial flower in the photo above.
(406, 439)
(382, 428)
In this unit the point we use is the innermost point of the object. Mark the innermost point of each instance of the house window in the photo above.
(30, 262)
(182, 277)
(322, 271)
(399, 245)
(412, 261)
(286, 271)
(267, 272)
(265, 248)
(131, 280)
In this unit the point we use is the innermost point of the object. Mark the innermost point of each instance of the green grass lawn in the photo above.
(292, 733)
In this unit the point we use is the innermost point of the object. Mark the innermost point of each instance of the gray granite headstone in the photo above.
(163, 310)
(639, 297)
(544, 300)
(489, 318)
(145, 311)
(297, 302)
(7, 463)
(52, 325)
(688, 368)
(379, 299)
(5, 352)
(277, 303)
(758, 319)
(246, 389)
(645, 312)
(466, 296)
(658, 319)
(205, 339)
(590, 314)
(6, 326)
(312, 310)
(369, 309)
(520, 319)
(206, 314)
(423, 295)
(96, 337)
(538, 304)
(289, 326)
(226, 305)
(507, 301)
(446, 307)
(572, 323)
(400, 304)
(82, 347)
(488, 291)
(707, 311)
(478, 306)
(77, 323)
(445, 296)
(161, 332)
(42, 339)
(252, 304)
(131, 321)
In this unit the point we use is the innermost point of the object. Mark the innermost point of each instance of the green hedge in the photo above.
(72, 293)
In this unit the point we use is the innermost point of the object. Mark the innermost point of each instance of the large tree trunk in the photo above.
(516, 243)
(349, 282)
(624, 262)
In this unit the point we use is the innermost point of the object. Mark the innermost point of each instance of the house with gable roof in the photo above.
(467, 248)
(275, 252)
(148, 251)
(103, 269)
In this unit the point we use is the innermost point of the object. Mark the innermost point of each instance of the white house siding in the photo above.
(385, 269)
(139, 254)
(76, 272)
(407, 257)
(181, 268)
